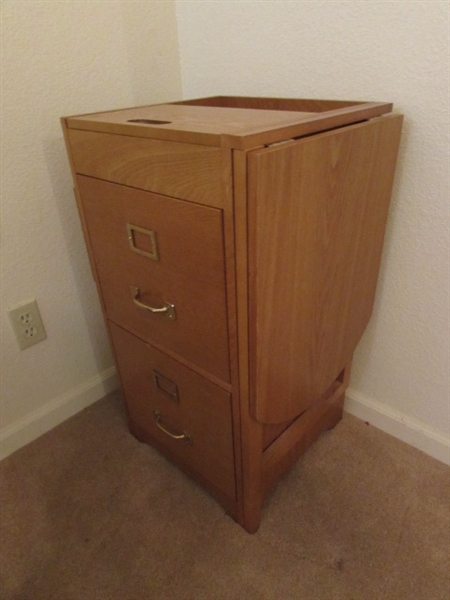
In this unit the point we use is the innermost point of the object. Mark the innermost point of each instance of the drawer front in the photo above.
(187, 171)
(155, 251)
(167, 400)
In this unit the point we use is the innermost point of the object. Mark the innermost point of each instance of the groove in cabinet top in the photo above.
(291, 104)
(229, 121)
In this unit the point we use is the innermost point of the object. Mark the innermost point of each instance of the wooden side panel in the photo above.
(186, 171)
(317, 215)
(272, 431)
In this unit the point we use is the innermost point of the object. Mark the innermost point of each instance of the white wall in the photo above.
(62, 58)
(388, 51)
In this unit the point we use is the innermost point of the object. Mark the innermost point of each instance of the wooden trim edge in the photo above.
(304, 431)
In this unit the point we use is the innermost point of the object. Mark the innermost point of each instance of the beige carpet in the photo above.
(89, 513)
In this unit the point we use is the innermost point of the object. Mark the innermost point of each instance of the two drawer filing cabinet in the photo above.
(236, 245)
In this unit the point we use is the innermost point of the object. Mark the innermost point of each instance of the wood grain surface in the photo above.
(317, 215)
(202, 410)
(190, 272)
(268, 218)
(233, 122)
(186, 171)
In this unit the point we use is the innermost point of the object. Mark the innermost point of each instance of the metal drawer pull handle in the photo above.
(168, 309)
(182, 437)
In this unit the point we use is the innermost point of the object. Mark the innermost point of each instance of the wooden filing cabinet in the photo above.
(236, 244)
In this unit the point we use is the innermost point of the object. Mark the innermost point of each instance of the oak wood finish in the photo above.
(187, 171)
(271, 431)
(312, 286)
(240, 123)
(228, 169)
(269, 217)
(190, 272)
(250, 432)
(307, 126)
(202, 409)
(183, 118)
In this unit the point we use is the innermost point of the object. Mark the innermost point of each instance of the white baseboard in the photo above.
(27, 429)
(407, 429)
(53, 413)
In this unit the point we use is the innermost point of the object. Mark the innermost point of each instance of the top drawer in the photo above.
(186, 171)
(151, 252)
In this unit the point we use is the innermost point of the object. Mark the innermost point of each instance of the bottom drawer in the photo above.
(182, 412)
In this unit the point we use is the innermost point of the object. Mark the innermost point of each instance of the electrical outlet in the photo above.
(27, 324)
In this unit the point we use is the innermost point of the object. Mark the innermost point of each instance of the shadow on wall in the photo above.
(368, 341)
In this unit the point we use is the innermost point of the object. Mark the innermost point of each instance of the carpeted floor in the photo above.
(89, 513)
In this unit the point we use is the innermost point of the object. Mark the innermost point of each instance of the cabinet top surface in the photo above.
(229, 121)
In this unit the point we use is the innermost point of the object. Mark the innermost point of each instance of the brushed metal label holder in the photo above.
(153, 253)
(165, 386)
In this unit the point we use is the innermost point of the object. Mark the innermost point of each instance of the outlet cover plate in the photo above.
(27, 324)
